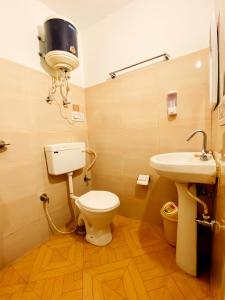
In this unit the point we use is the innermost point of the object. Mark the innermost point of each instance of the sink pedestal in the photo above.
(186, 251)
(182, 168)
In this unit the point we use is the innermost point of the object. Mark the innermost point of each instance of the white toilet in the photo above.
(97, 207)
(97, 211)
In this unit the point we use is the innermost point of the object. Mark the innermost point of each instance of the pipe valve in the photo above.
(206, 223)
(44, 198)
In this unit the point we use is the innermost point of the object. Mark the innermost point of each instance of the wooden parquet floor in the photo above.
(137, 265)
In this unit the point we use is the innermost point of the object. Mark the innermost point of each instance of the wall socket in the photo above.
(77, 116)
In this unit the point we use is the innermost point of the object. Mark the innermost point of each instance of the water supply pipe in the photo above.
(205, 214)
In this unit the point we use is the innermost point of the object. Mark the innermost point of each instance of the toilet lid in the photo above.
(99, 200)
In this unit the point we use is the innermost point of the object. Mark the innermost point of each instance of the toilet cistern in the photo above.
(204, 145)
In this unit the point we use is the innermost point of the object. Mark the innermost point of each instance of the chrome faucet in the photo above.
(204, 145)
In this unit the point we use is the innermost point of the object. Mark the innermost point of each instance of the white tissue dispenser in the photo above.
(143, 179)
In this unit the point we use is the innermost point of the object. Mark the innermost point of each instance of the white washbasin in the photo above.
(185, 167)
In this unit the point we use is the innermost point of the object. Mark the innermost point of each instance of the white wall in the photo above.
(137, 31)
(18, 30)
(142, 29)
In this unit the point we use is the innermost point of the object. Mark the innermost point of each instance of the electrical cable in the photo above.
(62, 115)
(60, 81)
(64, 83)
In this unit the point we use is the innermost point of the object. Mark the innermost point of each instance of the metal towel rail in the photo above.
(165, 55)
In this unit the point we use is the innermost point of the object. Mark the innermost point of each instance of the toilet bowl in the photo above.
(97, 209)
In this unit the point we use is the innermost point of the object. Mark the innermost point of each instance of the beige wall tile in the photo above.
(20, 149)
(128, 123)
(29, 123)
(12, 85)
(218, 145)
(20, 213)
(110, 183)
(16, 244)
(15, 115)
(173, 135)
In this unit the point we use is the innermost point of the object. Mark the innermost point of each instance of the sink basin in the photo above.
(185, 167)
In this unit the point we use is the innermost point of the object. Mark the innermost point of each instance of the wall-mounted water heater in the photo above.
(59, 53)
(61, 44)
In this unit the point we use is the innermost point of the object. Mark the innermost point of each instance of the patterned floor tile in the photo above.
(142, 238)
(191, 288)
(138, 264)
(18, 292)
(59, 287)
(56, 257)
(13, 286)
(117, 250)
(9, 276)
(119, 280)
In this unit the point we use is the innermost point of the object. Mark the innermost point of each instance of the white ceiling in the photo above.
(85, 12)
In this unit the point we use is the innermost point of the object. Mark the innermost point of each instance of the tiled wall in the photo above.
(128, 123)
(218, 253)
(27, 122)
(218, 145)
(217, 130)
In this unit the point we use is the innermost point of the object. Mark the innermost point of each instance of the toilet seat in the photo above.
(99, 201)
